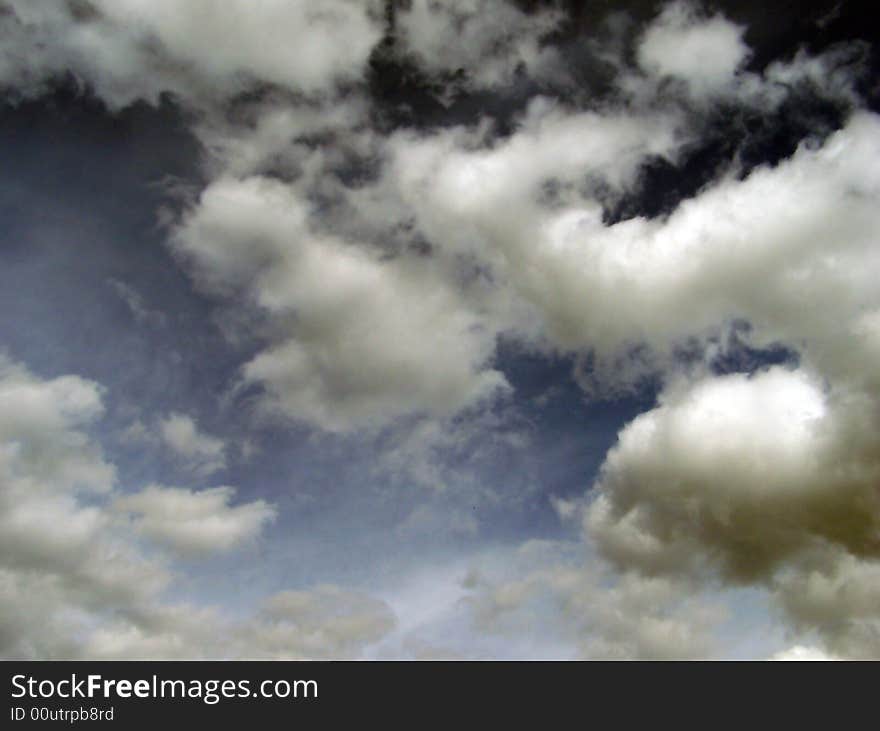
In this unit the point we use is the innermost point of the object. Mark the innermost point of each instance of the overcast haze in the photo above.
(415, 329)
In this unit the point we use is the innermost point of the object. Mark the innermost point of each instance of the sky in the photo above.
(407, 329)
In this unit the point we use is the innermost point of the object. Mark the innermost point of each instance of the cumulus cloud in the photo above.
(40, 428)
(348, 299)
(515, 230)
(383, 267)
(488, 40)
(734, 462)
(737, 475)
(73, 579)
(767, 479)
(327, 622)
(202, 453)
(704, 52)
(60, 560)
(833, 594)
(199, 51)
(366, 339)
(605, 616)
(194, 522)
(745, 249)
(554, 151)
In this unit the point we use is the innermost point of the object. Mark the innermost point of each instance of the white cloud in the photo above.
(73, 580)
(132, 49)
(39, 427)
(193, 522)
(716, 463)
(202, 453)
(484, 201)
(326, 622)
(59, 558)
(603, 615)
(705, 52)
(488, 39)
(515, 228)
(292, 43)
(747, 249)
(493, 188)
(770, 480)
(698, 485)
(801, 652)
(364, 339)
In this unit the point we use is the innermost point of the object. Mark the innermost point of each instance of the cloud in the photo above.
(129, 49)
(327, 622)
(718, 464)
(704, 52)
(74, 581)
(496, 203)
(490, 40)
(800, 652)
(194, 522)
(512, 229)
(741, 249)
(362, 339)
(554, 152)
(833, 594)
(39, 426)
(379, 269)
(605, 616)
(203, 454)
(59, 558)
(767, 479)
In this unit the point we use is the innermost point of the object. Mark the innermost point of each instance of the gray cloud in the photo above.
(768, 479)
